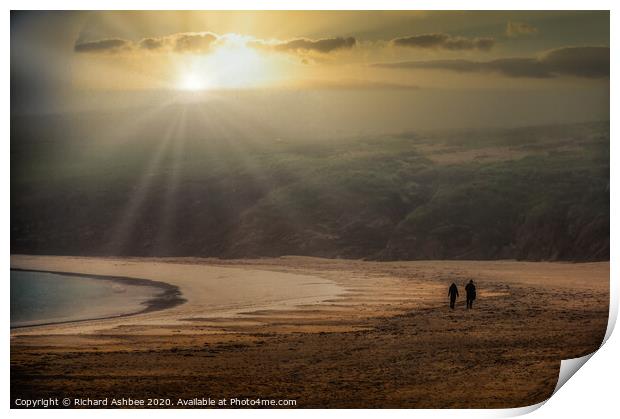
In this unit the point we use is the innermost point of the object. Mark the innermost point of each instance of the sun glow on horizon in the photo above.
(230, 65)
(191, 82)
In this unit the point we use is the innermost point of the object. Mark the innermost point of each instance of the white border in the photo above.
(595, 383)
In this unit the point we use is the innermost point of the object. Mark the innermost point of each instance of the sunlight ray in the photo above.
(122, 232)
(166, 227)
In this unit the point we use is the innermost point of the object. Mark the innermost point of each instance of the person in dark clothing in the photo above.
(453, 292)
(470, 289)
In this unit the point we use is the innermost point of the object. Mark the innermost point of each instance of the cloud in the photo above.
(588, 62)
(512, 67)
(516, 29)
(303, 45)
(103, 45)
(355, 84)
(190, 42)
(151, 43)
(321, 45)
(444, 41)
(194, 42)
(202, 42)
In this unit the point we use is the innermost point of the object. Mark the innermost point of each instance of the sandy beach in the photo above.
(324, 332)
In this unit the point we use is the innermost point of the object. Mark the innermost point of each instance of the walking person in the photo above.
(470, 289)
(453, 292)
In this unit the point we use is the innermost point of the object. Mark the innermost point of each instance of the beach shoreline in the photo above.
(363, 334)
(205, 290)
(169, 297)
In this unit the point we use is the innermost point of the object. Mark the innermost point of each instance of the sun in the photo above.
(229, 66)
(191, 82)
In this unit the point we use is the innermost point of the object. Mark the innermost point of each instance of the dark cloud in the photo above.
(444, 41)
(302, 45)
(512, 67)
(178, 42)
(200, 42)
(589, 62)
(151, 43)
(194, 42)
(484, 44)
(515, 29)
(354, 84)
(103, 45)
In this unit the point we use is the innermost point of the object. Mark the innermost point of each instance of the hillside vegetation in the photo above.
(194, 184)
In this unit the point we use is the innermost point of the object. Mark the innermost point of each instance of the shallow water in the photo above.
(40, 298)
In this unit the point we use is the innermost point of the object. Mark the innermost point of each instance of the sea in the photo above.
(43, 298)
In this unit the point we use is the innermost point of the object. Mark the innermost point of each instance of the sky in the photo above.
(359, 70)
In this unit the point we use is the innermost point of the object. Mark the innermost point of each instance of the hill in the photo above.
(190, 182)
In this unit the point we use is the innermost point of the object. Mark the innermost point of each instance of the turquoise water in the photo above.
(39, 298)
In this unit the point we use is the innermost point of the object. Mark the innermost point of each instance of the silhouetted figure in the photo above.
(453, 292)
(470, 289)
